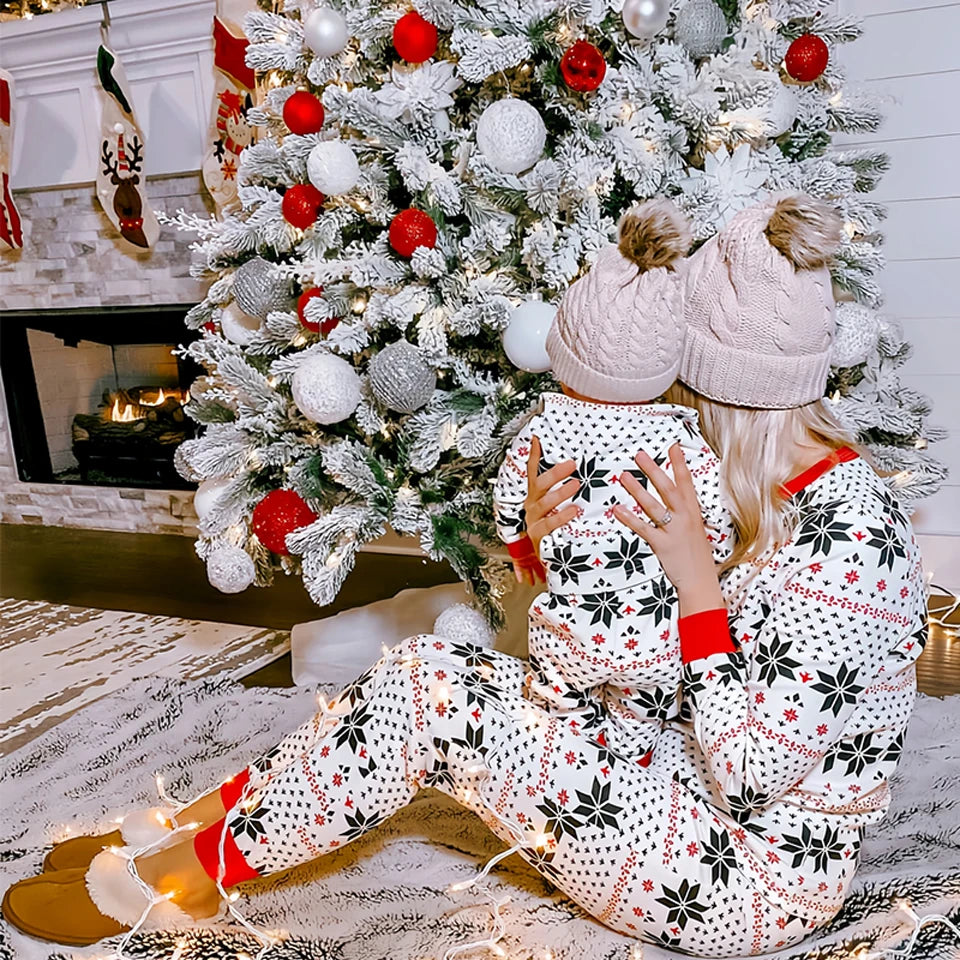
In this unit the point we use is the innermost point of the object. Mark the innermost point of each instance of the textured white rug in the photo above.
(383, 897)
(55, 659)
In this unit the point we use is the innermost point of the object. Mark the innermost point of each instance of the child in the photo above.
(605, 632)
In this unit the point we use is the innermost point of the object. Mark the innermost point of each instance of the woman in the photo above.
(742, 834)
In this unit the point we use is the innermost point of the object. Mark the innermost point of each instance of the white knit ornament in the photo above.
(700, 28)
(511, 135)
(782, 109)
(332, 167)
(207, 495)
(326, 388)
(856, 336)
(400, 378)
(325, 32)
(238, 327)
(461, 623)
(525, 339)
(230, 569)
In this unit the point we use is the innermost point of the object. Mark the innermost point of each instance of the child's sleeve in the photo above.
(510, 489)
(705, 469)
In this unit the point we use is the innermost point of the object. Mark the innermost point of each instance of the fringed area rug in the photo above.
(104, 650)
(384, 897)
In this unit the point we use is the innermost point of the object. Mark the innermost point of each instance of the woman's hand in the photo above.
(541, 501)
(681, 544)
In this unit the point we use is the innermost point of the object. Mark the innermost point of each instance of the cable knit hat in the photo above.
(618, 333)
(759, 306)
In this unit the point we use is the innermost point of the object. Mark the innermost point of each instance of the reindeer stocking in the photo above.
(10, 233)
(120, 179)
(229, 132)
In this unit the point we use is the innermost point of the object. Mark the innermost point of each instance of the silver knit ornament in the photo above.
(856, 336)
(230, 569)
(400, 378)
(700, 28)
(257, 289)
(461, 623)
(181, 460)
(511, 135)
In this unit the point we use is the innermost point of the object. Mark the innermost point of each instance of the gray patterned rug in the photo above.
(384, 897)
(104, 650)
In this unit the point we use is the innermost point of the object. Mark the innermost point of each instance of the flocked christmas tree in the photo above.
(425, 185)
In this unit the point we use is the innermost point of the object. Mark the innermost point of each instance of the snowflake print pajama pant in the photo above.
(634, 848)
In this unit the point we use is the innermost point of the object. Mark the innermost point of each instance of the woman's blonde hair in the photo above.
(756, 450)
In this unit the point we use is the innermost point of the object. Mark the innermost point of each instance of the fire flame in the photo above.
(129, 412)
(124, 414)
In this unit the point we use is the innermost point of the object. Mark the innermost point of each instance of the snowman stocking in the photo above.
(120, 179)
(229, 132)
(11, 234)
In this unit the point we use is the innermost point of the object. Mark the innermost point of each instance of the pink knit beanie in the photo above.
(759, 306)
(618, 333)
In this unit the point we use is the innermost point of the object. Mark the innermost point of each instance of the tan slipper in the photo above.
(137, 829)
(79, 907)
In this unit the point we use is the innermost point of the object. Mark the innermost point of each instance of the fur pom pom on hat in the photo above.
(759, 306)
(618, 334)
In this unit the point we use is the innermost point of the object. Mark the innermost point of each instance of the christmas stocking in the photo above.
(120, 180)
(10, 233)
(233, 95)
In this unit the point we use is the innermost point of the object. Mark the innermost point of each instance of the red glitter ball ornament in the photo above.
(807, 58)
(301, 205)
(412, 228)
(414, 38)
(324, 326)
(279, 513)
(210, 327)
(303, 113)
(583, 67)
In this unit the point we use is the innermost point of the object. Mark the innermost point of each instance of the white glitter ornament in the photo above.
(326, 388)
(782, 109)
(525, 339)
(332, 167)
(207, 495)
(325, 32)
(257, 289)
(461, 623)
(645, 18)
(238, 327)
(700, 28)
(856, 336)
(511, 135)
(400, 378)
(230, 569)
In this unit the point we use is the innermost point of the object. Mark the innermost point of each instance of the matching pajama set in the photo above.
(603, 638)
(742, 833)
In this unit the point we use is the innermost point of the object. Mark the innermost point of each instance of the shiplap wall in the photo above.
(909, 53)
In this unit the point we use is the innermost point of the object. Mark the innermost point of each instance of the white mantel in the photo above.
(167, 52)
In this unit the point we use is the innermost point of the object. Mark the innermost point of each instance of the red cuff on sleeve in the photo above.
(521, 549)
(703, 634)
(206, 845)
(232, 790)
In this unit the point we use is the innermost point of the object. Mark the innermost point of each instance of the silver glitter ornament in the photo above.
(326, 388)
(230, 569)
(700, 28)
(511, 135)
(400, 378)
(461, 623)
(645, 18)
(856, 336)
(258, 290)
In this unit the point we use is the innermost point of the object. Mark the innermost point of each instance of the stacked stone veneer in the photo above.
(73, 257)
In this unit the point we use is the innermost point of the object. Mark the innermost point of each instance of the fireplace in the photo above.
(96, 396)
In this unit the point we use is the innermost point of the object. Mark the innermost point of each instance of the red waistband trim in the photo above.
(206, 845)
(232, 790)
(801, 480)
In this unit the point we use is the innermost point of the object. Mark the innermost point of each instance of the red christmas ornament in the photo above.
(324, 326)
(583, 67)
(301, 205)
(279, 513)
(807, 58)
(414, 38)
(412, 228)
(210, 327)
(303, 113)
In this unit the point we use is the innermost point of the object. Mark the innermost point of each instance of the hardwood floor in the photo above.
(156, 574)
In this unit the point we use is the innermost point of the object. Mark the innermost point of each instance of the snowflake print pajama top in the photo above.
(741, 835)
(605, 630)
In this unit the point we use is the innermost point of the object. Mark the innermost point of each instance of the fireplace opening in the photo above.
(96, 396)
